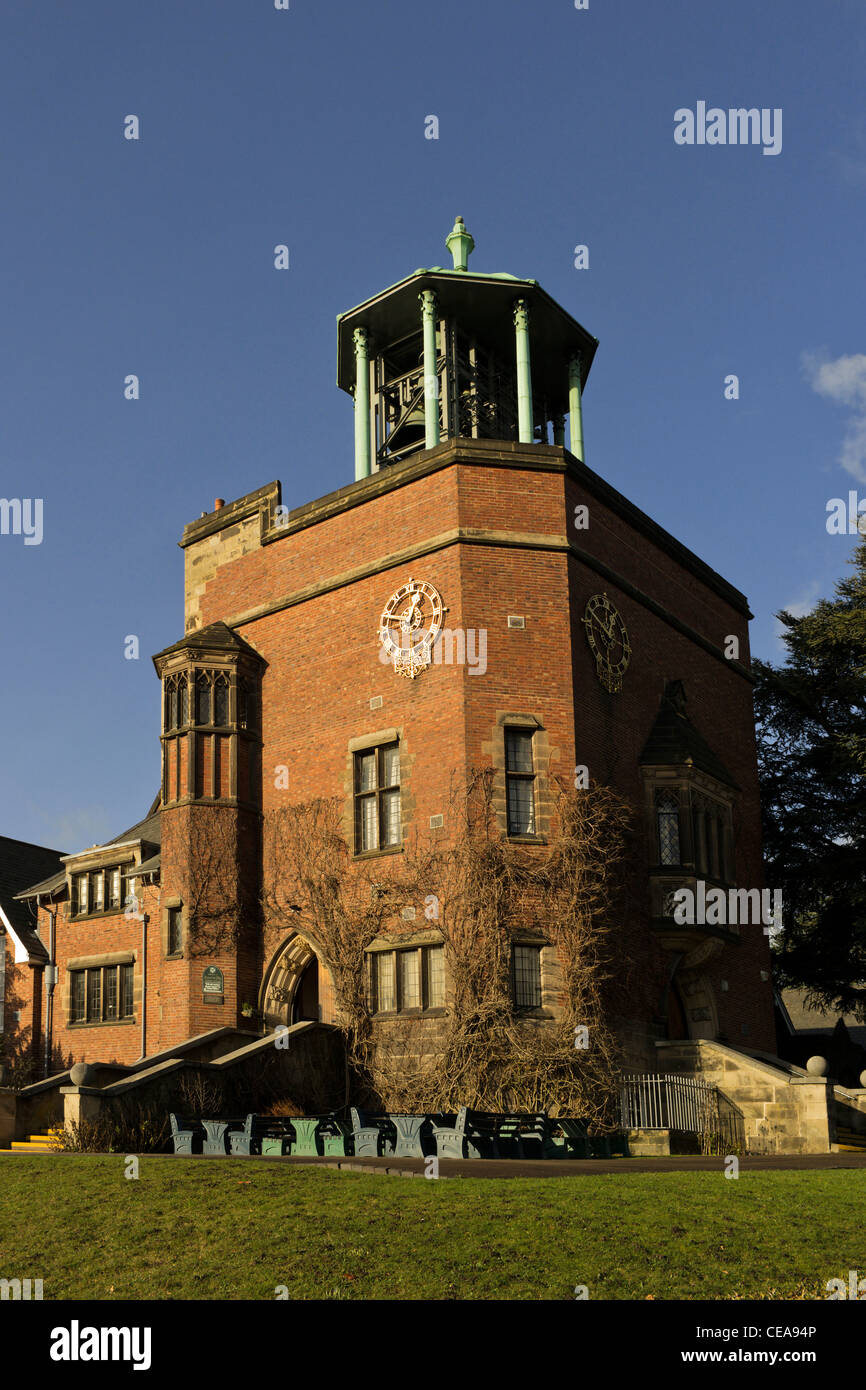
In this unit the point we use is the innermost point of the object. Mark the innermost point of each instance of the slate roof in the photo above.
(20, 864)
(216, 636)
(812, 1020)
(674, 740)
(149, 831)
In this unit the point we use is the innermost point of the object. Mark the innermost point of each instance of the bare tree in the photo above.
(487, 889)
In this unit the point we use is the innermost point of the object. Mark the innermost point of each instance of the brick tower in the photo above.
(210, 817)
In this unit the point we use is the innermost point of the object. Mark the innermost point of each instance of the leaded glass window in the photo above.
(103, 994)
(377, 798)
(520, 781)
(202, 700)
(221, 702)
(668, 819)
(126, 998)
(527, 976)
(409, 979)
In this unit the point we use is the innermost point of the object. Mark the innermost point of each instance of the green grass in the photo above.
(237, 1229)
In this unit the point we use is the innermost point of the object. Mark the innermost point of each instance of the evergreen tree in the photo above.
(811, 715)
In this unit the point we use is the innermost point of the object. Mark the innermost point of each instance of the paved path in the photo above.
(577, 1167)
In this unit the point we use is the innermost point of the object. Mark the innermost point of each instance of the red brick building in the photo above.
(477, 597)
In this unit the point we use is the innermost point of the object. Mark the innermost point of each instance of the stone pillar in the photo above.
(362, 404)
(431, 376)
(575, 409)
(81, 1103)
(525, 431)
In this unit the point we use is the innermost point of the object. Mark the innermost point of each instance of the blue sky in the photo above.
(306, 127)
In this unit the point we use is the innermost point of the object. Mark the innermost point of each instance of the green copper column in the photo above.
(431, 376)
(524, 378)
(362, 405)
(575, 410)
(559, 430)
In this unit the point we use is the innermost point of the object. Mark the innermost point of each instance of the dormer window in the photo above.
(97, 891)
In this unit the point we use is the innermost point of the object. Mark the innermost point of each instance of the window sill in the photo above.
(174, 955)
(525, 839)
(377, 853)
(104, 1023)
(438, 1012)
(94, 916)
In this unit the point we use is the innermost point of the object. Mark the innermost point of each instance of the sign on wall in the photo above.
(212, 985)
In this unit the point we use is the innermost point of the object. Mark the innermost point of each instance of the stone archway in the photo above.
(295, 981)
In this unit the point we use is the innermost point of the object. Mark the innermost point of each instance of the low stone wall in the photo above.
(42, 1104)
(784, 1110)
(648, 1143)
(305, 1064)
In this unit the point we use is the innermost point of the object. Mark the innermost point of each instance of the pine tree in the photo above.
(811, 715)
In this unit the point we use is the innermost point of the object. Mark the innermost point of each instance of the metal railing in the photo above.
(684, 1104)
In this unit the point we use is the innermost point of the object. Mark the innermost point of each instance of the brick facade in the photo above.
(492, 527)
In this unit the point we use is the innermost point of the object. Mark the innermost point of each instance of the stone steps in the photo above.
(38, 1143)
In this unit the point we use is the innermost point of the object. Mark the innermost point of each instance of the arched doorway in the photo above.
(296, 987)
(305, 1004)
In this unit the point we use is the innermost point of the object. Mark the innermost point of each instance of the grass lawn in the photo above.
(214, 1230)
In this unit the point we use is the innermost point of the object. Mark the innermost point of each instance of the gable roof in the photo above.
(149, 831)
(20, 864)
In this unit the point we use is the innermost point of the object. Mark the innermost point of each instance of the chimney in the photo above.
(218, 502)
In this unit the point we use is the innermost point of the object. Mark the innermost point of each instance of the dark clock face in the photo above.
(607, 636)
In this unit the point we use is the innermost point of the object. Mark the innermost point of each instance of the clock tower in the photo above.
(457, 354)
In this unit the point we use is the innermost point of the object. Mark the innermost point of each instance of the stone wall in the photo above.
(784, 1110)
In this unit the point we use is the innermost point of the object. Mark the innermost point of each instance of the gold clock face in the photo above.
(409, 626)
(607, 636)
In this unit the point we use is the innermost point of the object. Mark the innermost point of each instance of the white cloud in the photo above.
(77, 829)
(843, 380)
(798, 608)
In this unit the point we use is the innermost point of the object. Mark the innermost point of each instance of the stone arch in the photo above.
(282, 981)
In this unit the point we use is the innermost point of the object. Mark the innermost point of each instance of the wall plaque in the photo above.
(212, 985)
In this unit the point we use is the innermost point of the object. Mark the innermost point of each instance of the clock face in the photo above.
(607, 636)
(410, 623)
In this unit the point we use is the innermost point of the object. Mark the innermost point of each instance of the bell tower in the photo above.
(446, 354)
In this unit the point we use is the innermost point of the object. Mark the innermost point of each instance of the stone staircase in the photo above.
(39, 1143)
